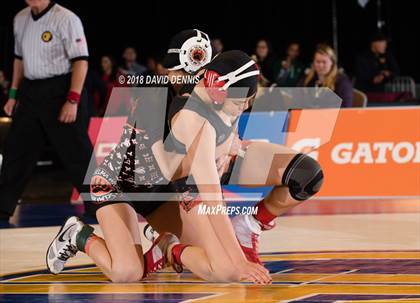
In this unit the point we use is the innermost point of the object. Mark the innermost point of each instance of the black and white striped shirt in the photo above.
(48, 42)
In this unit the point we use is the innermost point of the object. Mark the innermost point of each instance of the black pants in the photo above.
(34, 121)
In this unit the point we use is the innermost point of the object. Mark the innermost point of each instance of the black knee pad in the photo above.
(303, 176)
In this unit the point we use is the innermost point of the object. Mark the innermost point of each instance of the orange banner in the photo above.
(369, 152)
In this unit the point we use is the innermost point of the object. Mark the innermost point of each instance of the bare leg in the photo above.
(279, 201)
(206, 257)
(264, 165)
(197, 231)
(166, 219)
(119, 255)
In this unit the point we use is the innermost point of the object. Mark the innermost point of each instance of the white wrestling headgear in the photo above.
(194, 53)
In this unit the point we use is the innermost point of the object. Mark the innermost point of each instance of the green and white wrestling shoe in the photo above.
(64, 245)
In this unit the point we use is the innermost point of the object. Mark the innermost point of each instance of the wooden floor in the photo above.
(323, 258)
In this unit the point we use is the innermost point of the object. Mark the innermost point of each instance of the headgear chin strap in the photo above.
(217, 85)
(194, 53)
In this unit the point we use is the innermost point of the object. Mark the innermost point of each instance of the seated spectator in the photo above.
(217, 45)
(109, 76)
(161, 70)
(131, 66)
(151, 65)
(155, 67)
(289, 70)
(375, 67)
(325, 73)
(265, 60)
(96, 91)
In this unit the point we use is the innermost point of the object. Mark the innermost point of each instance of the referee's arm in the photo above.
(78, 75)
(76, 48)
(68, 112)
(17, 78)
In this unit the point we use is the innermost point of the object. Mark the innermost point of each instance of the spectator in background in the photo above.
(110, 74)
(217, 45)
(324, 73)
(96, 91)
(161, 70)
(131, 66)
(151, 65)
(266, 60)
(375, 67)
(155, 67)
(4, 88)
(289, 70)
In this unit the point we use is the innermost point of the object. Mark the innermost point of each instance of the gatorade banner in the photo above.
(369, 152)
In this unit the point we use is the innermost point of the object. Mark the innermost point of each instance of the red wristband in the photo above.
(73, 97)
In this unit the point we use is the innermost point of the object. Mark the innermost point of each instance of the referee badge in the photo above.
(46, 36)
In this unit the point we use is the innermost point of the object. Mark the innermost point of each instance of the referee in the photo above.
(46, 99)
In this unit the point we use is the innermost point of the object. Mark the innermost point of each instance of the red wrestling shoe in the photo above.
(248, 231)
(156, 257)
